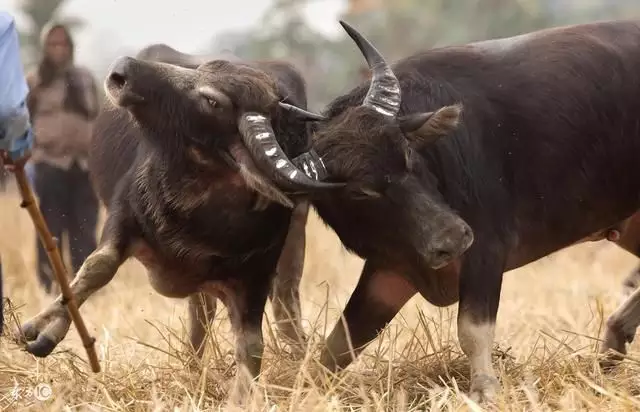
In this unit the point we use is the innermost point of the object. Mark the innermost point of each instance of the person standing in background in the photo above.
(63, 102)
(3, 180)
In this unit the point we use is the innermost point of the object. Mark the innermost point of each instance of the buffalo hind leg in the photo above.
(44, 331)
(631, 282)
(377, 298)
(622, 324)
(620, 330)
(629, 240)
(480, 286)
(202, 310)
(285, 289)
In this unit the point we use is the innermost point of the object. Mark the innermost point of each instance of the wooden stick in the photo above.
(29, 203)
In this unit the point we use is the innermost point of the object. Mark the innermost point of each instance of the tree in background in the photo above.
(283, 34)
(399, 28)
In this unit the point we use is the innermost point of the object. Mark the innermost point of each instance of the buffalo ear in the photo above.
(426, 128)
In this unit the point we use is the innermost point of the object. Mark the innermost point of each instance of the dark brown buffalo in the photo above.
(185, 199)
(532, 140)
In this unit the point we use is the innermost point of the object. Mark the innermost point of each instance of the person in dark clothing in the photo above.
(63, 103)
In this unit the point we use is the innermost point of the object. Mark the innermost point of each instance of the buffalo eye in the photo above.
(211, 101)
(214, 98)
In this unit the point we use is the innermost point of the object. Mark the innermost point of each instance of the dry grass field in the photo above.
(550, 319)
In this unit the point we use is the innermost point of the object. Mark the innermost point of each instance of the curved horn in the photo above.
(301, 113)
(384, 92)
(260, 140)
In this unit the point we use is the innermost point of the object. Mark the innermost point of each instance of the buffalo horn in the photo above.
(301, 113)
(260, 140)
(384, 92)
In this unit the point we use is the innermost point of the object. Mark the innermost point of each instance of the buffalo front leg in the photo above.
(43, 332)
(285, 290)
(479, 290)
(377, 298)
(620, 330)
(202, 310)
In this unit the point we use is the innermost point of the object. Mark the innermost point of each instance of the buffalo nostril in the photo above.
(118, 75)
(442, 255)
(451, 242)
(117, 79)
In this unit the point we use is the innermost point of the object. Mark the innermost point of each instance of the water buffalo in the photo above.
(285, 298)
(184, 196)
(531, 140)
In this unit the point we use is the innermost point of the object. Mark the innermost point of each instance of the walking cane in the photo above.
(28, 202)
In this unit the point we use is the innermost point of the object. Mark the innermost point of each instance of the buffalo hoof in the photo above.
(484, 389)
(193, 362)
(242, 390)
(614, 347)
(43, 332)
(610, 361)
(295, 347)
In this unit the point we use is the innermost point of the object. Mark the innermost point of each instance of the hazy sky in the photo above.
(187, 25)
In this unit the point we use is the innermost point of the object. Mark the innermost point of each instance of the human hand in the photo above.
(18, 151)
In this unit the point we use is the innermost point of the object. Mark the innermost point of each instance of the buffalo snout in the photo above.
(448, 243)
(118, 84)
(119, 71)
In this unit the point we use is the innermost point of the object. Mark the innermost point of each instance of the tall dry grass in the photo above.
(549, 322)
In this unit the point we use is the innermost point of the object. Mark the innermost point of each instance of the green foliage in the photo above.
(283, 34)
(400, 28)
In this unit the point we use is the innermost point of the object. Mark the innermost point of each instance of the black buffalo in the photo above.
(532, 140)
(184, 196)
